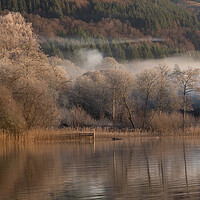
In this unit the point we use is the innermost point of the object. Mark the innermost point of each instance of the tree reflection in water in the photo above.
(127, 169)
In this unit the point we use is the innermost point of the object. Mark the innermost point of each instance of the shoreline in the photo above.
(73, 135)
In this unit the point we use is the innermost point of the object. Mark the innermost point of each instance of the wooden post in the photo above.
(94, 133)
(94, 141)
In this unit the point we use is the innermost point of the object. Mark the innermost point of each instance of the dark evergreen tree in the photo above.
(14, 5)
(107, 50)
(22, 5)
(54, 9)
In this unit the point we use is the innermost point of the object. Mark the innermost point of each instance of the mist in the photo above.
(183, 61)
(90, 59)
(93, 60)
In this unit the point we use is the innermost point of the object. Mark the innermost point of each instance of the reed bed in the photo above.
(71, 134)
(39, 135)
(67, 134)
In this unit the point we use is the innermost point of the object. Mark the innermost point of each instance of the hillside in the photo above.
(129, 30)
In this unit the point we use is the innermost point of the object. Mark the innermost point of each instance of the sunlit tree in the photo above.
(27, 72)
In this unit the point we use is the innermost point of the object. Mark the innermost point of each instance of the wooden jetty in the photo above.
(86, 135)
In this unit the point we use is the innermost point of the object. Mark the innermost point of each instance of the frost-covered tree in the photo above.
(26, 71)
(187, 82)
(146, 89)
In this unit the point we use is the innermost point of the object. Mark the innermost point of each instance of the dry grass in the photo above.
(67, 134)
(71, 134)
(41, 135)
(118, 133)
(172, 124)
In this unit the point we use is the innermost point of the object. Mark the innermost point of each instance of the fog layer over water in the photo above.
(93, 60)
(183, 62)
(137, 169)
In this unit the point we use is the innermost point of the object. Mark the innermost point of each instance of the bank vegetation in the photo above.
(36, 93)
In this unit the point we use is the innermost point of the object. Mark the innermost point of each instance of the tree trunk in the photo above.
(129, 113)
(114, 106)
(145, 110)
(184, 108)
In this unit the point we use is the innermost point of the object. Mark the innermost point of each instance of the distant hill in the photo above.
(125, 30)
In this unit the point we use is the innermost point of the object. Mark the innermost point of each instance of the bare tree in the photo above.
(91, 93)
(163, 86)
(121, 83)
(187, 82)
(166, 97)
(146, 87)
(105, 93)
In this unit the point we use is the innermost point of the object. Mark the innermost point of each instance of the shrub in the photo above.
(79, 117)
(168, 123)
(11, 117)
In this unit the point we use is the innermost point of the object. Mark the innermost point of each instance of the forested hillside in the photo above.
(149, 15)
(129, 30)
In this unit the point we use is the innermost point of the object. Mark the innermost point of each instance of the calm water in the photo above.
(148, 169)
